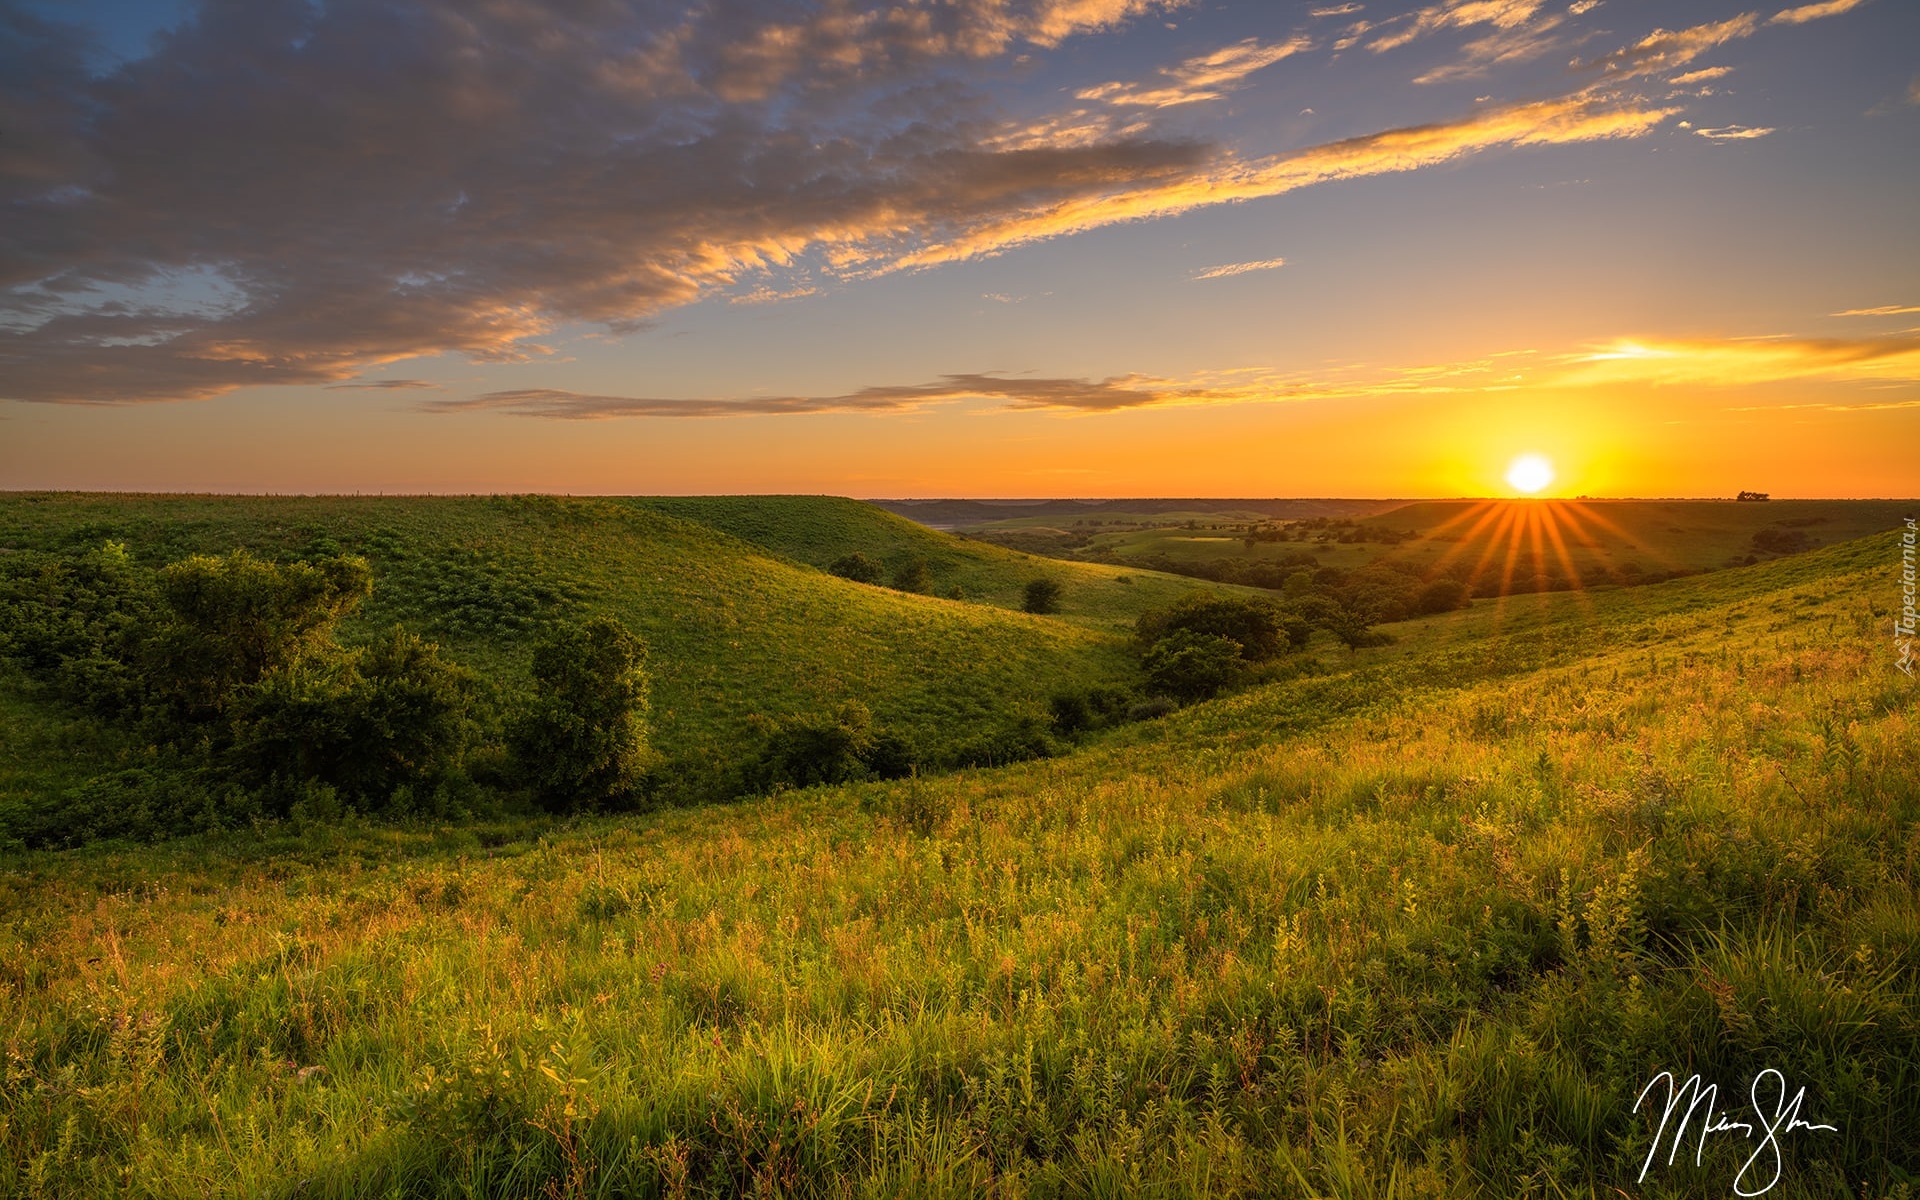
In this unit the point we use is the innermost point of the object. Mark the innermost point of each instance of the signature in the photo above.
(1698, 1095)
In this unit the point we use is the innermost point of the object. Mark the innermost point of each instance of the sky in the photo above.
(960, 247)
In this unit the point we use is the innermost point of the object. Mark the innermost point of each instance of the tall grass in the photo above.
(1423, 927)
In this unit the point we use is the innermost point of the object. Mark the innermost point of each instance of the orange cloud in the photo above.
(1735, 363)
(1205, 77)
(1579, 118)
(1813, 12)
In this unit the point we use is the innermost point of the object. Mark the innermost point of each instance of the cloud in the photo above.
(1076, 395)
(1204, 77)
(1241, 268)
(1579, 118)
(1499, 49)
(1885, 310)
(1337, 10)
(1701, 76)
(1813, 12)
(384, 385)
(1733, 133)
(1737, 362)
(1705, 363)
(491, 173)
(264, 201)
(1457, 14)
(1668, 50)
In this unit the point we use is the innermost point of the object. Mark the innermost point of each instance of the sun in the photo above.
(1530, 473)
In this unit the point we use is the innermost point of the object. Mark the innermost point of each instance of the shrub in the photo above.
(239, 617)
(1192, 666)
(367, 723)
(1022, 738)
(913, 576)
(831, 748)
(857, 567)
(1442, 595)
(581, 743)
(1079, 710)
(1043, 596)
(1256, 627)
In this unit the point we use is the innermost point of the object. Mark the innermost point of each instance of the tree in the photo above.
(581, 743)
(913, 576)
(830, 748)
(1256, 627)
(237, 618)
(1442, 595)
(364, 722)
(1192, 666)
(857, 567)
(1043, 596)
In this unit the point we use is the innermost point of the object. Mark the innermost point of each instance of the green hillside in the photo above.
(1424, 925)
(734, 629)
(816, 530)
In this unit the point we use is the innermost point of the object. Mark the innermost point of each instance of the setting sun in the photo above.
(1530, 473)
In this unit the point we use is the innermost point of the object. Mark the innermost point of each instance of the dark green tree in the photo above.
(1256, 626)
(236, 618)
(1043, 596)
(857, 567)
(581, 742)
(913, 576)
(1192, 666)
(364, 721)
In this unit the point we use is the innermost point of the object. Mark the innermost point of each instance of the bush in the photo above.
(1043, 596)
(1256, 627)
(1022, 738)
(366, 723)
(857, 567)
(239, 617)
(1079, 710)
(913, 576)
(1192, 666)
(1442, 595)
(833, 748)
(581, 743)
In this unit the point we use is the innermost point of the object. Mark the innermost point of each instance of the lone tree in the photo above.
(1192, 666)
(582, 741)
(857, 567)
(913, 576)
(1043, 596)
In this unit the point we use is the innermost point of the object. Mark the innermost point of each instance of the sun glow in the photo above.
(1529, 473)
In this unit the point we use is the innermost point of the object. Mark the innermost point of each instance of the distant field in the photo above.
(738, 619)
(1421, 925)
(1593, 541)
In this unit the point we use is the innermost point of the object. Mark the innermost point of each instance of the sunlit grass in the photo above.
(1422, 927)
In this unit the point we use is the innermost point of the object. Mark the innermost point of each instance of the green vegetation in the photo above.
(1416, 919)
(736, 631)
(1489, 547)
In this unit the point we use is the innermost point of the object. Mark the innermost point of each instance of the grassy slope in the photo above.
(816, 530)
(733, 629)
(1423, 926)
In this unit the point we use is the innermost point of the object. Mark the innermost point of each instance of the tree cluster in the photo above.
(235, 699)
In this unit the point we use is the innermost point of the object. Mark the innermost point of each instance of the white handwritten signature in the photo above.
(1699, 1095)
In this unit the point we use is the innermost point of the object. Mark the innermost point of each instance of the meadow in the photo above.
(740, 622)
(1422, 922)
(1513, 547)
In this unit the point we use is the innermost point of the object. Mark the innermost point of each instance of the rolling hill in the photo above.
(726, 593)
(1425, 924)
